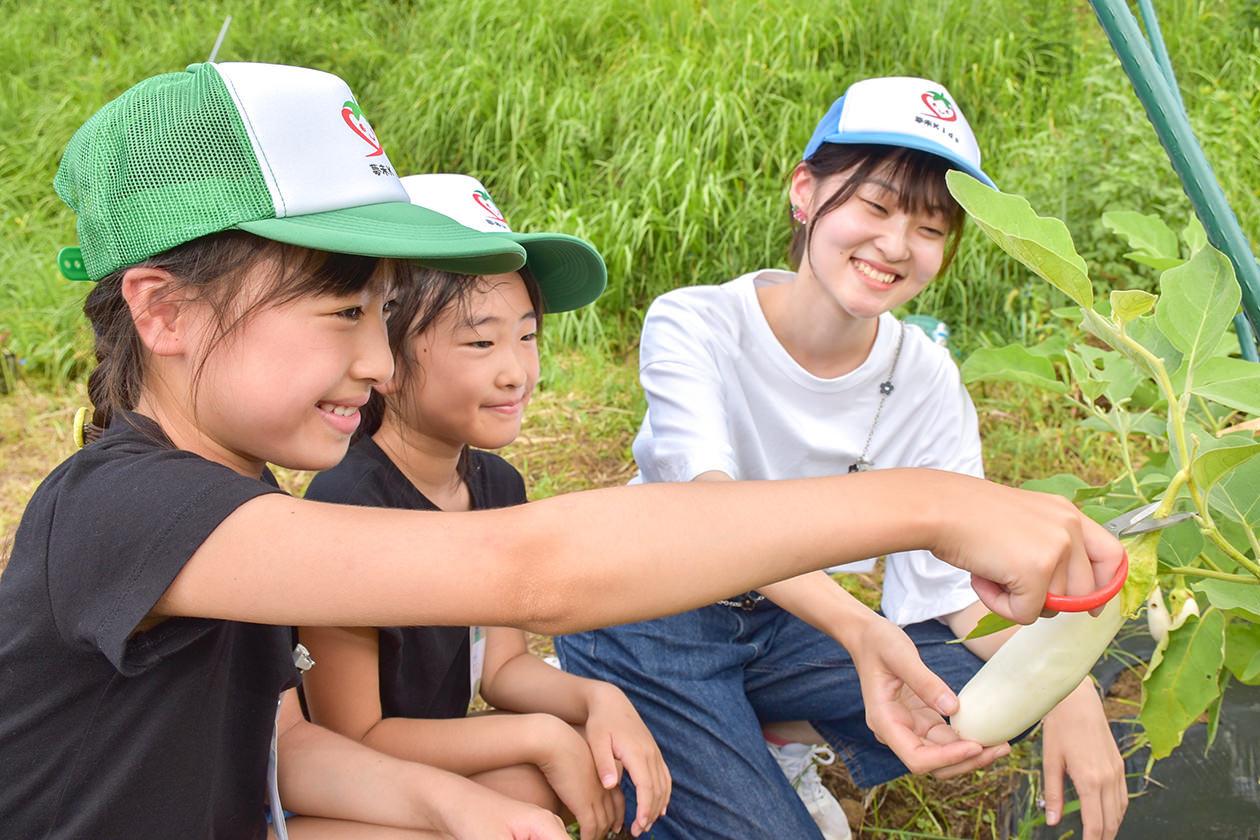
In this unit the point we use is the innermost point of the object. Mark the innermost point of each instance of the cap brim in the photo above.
(570, 272)
(396, 229)
(911, 142)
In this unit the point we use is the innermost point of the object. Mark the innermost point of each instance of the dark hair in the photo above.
(918, 176)
(420, 297)
(212, 269)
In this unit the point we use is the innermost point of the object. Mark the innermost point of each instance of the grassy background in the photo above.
(663, 132)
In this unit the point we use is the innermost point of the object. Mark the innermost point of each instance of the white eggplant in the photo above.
(1028, 675)
(1183, 601)
(1157, 619)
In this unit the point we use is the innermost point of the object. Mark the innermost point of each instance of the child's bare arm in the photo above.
(516, 680)
(325, 775)
(553, 565)
(343, 694)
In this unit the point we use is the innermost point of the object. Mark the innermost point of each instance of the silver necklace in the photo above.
(885, 388)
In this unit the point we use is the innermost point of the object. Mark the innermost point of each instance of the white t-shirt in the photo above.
(724, 395)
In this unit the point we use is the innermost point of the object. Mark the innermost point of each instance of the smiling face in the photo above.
(869, 253)
(284, 383)
(473, 370)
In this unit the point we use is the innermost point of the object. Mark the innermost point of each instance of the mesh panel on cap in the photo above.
(166, 162)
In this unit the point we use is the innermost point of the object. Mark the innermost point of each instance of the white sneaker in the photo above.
(799, 762)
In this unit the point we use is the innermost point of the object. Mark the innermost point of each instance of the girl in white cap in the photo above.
(243, 226)
(789, 374)
(465, 365)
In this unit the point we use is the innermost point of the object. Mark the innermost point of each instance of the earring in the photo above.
(799, 215)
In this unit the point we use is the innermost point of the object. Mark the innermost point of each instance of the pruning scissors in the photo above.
(1136, 521)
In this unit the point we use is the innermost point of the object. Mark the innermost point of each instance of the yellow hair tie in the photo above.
(80, 420)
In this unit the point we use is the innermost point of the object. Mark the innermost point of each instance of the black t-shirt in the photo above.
(423, 670)
(109, 733)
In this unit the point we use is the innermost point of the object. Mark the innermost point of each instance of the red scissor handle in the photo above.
(1084, 603)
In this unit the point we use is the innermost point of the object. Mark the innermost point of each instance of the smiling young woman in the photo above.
(790, 374)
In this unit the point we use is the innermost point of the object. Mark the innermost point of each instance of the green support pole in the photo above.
(1150, 22)
(1156, 88)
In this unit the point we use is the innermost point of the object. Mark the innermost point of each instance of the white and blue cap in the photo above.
(569, 271)
(902, 111)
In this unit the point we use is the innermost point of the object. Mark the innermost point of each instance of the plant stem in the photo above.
(1194, 571)
(1231, 552)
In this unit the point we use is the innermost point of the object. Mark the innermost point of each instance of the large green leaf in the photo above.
(1214, 709)
(1147, 424)
(1230, 382)
(1041, 243)
(1051, 348)
(1157, 263)
(1120, 376)
(1242, 599)
(1197, 302)
(1063, 484)
(1194, 235)
(1148, 235)
(1012, 363)
(1184, 683)
(1242, 651)
(1083, 373)
(1237, 495)
(1212, 463)
(1146, 332)
(1182, 544)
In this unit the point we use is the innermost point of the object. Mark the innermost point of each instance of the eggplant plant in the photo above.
(1163, 367)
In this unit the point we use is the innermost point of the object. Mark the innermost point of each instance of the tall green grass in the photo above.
(662, 131)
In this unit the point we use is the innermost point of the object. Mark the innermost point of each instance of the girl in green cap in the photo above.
(465, 366)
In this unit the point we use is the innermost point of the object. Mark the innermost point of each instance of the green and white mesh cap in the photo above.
(570, 272)
(281, 152)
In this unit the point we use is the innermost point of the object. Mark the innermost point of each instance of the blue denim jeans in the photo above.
(705, 681)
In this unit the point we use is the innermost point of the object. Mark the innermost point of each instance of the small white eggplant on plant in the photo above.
(1157, 619)
(1160, 619)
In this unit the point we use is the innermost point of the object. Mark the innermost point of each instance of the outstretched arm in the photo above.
(906, 703)
(551, 565)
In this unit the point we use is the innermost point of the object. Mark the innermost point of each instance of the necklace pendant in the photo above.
(862, 465)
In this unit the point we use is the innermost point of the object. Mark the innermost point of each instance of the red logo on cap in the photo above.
(940, 106)
(353, 115)
(487, 203)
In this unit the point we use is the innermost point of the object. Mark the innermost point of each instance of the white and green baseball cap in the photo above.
(281, 152)
(570, 272)
(901, 111)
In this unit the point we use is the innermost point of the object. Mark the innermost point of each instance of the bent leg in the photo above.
(685, 676)
(808, 676)
(522, 782)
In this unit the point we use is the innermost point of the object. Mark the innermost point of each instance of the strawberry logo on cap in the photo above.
(940, 106)
(353, 115)
(487, 203)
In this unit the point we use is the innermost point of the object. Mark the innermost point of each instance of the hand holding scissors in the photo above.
(1130, 523)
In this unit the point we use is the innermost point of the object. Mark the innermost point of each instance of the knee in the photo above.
(522, 782)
